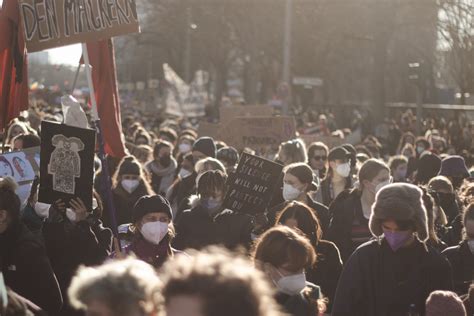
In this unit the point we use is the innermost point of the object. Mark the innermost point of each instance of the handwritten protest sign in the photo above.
(54, 23)
(228, 113)
(209, 129)
(256, 132)
(252, 185)
(330, 141)
(67, 163)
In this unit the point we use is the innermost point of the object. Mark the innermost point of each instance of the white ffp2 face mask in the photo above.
(292, 284)
(290, 193)
(344, 169)
(154, 232)
(381, 185)
(130, 185)
(470, 243)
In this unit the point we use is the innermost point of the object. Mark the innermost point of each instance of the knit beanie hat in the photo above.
(399, 201)
(129, 165)
(151, 204)
(441, 303)
(205, 145)
(454, 166)
(428, 166)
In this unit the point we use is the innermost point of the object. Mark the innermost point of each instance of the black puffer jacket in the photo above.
(27, 269)
(197, 229)
(462, 262)
(327, 270)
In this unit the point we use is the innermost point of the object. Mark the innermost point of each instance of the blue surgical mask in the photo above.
(211, 203)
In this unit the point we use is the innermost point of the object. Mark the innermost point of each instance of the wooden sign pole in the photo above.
(106, 181)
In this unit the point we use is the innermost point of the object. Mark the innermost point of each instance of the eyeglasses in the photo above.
(320, 158)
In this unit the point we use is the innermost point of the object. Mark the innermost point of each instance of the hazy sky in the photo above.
(69, 55)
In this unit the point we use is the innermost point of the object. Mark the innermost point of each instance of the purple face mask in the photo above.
(396, 240)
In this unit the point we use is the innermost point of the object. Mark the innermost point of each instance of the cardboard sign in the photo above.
(67, 163)
(54, 23)
(209, 129)
(228, 113)
(22, 166)
(252, 185)
(330, 141)
(258, 132)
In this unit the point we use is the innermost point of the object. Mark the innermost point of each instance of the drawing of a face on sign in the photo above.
(20, 166)
(6, 169)
(65, 163)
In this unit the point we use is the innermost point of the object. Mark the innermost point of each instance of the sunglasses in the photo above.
(320, 157)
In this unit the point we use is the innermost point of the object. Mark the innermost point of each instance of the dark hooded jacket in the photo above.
(27, 269)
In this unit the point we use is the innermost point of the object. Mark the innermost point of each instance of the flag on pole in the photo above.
(13, 64)
(102, 60)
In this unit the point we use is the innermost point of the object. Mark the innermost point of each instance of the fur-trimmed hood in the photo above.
(399, 201)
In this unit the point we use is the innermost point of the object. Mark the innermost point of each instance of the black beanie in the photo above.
(151, 204)
(205, 145)
(129, 165)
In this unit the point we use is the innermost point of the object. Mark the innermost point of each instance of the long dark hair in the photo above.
(308, 223)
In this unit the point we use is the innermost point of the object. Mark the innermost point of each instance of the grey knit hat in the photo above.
(399, 201)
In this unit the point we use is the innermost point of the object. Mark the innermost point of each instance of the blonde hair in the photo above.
(124, 286)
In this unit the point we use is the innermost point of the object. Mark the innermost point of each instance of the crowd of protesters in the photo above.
(381, 227)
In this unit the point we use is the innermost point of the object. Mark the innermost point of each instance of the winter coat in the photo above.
(321, 212)
(184, 189)
(152, 254)
(161, 178)
(462, 262)
(33, 221)
(124, 202)
(327, 270)
(70, 245)
(27, 269)
(197, 229)
(343, 210)
(377, 281)
(302, 304)
(324, 194)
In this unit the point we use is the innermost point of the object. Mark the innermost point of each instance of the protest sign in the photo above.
(54, 23)
(259, 131)
(67, 163)
(209, 129)
(22, 166)
(330, 141)
(252, 185)
(228, 113)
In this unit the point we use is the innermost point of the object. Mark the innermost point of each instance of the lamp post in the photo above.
(415, 76)
(287, 53)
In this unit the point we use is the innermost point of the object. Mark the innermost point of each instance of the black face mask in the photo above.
(448, 202)
(165, 161)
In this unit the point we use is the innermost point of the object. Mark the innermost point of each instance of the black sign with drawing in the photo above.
(66, 164)
(251, 187)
